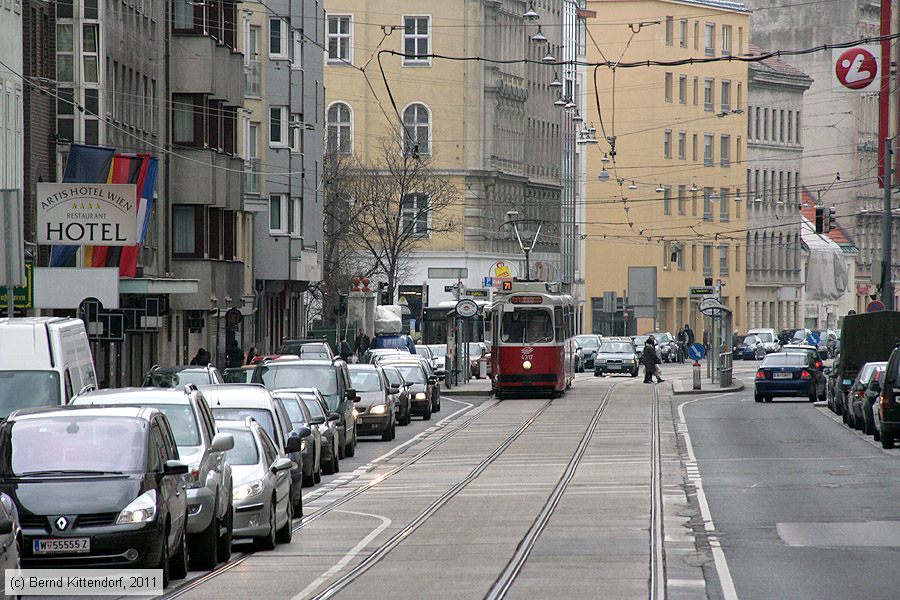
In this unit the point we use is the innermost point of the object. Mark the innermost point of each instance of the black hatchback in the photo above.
(96, 487)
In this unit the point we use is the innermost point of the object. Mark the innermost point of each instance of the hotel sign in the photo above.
(87, 214)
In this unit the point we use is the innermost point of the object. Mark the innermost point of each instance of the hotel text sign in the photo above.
(87, 214)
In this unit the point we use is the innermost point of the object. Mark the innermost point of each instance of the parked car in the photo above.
(865, 337)
(870, 400)
(242, 374)
(10, 538)
(236, 402)
(202, 447)
(263, 509)
(667, 346)
(310, 455)
(96, 487)
(425, 352)
(751, 348)
(853, 401)
(434, 388)
(788, 374)
(579, 357)
(824, 342)
(638, 341)
(479, 353)
(307, 348)
(616, 355)
(180, 376)
(400, 390)
(588, 345)
(48, 356)
(768, 337)
(888, 405)
(331, 378)
(372, 355)
(376, 412)
(419, 385)
(439, 351)
(327, 423)
(810, 351)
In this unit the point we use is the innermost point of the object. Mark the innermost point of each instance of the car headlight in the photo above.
(303, 444)
(242, 492)
(602, 361)
(378, 409)
(355, 413)
(420, 395)
(141, 510)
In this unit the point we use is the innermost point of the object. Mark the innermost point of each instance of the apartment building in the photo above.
(666, 189)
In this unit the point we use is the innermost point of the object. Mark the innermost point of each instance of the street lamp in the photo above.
(512, 218)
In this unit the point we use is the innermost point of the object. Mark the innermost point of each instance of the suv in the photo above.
(236, 402)
(888, 406)
(180, 376)
(330, 377)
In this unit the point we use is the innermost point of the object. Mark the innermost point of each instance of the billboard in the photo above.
(87, 214)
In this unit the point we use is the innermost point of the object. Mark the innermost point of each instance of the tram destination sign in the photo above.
(85, 214)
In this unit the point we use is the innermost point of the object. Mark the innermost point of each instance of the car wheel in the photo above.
(164, 559)
(757, 398)
(308, 480)
(286, 533)
(335, 461)
(887, 440)
(341, 453)
(634, 373)
(427, 415)
(223, 549)
(876, 433)
(768, 398)
(267, 542)
(438, 409)
(386, 434)
(350, 450)
(317, 476)
(203, 546)
(178, 564)
(407, 417)
(596, 373)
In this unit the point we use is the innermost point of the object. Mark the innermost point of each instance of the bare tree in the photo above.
(398, 204)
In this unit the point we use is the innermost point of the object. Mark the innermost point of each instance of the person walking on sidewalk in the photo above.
(362, 344)
(651, 361)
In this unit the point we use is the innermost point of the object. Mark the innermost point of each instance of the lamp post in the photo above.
(512, 218)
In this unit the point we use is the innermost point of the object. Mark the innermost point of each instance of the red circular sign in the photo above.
(856, 68)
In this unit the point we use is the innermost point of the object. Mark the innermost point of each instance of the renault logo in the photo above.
(62, 523)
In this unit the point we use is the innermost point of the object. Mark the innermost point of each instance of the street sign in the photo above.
(697, 351)
(609, 302)
(700, 293)
(874, 306)
(488, 282)
(24, 296)
(856, 68)
(812, 339)
(466, 308)
(477, 293)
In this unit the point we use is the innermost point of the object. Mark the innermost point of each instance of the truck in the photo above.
(866, 337)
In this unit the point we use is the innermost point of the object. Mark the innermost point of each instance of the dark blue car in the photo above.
(789, 374)
(751, 348)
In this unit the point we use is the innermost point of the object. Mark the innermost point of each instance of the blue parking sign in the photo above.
(488, 282)
(697, 351)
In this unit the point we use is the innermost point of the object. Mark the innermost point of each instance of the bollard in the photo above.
(482, 368)
(696, 370)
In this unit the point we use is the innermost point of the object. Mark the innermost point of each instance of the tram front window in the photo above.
(532, 326)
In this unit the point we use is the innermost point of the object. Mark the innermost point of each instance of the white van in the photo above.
(44, 361)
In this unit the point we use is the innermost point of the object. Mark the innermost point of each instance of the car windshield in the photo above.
(785, 360)
(393, 376)
(423, 351)
(799, 335)
(765, 336)
(439, 351)
(587, 341)
(300, 376)
(27, 389)
(237, 375)
(73, 442)
(245, 451)
(176, 379)
(365, 380)
(412, 374)
(183, 422)
(475, 350)
(260, 415)
(662, 336)
(292, 407)
(315, 409)
(640, 340)
(865, 374)
(613, 347)
(526, 326)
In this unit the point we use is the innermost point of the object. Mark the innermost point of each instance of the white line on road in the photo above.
(385, 523)
(728, 591)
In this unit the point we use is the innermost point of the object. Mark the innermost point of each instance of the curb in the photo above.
(736, 387)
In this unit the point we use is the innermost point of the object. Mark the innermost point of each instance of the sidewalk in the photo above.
(473, 387)
(686, 385)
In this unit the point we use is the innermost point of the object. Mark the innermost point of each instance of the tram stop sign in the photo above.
(697, 351)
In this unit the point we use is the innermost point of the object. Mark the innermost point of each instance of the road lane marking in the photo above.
(722, 570)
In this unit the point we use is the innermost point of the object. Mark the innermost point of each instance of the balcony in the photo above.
(212, 69)
(207, 177)
(306, 266)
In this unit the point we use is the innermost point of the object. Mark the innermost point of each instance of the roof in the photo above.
(142, 396)
(178, 368)
(249, 395)
(837, 235)
(296, 362)
(720, 4)
(774, 65)
(137, 412)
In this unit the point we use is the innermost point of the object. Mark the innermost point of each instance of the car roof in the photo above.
(178, 368)
(143, 395)
(137, 412)
(801, 347)
(362, 367)
(320, 362)
(251, 395)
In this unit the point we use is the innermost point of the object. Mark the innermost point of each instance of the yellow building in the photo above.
(667, 191)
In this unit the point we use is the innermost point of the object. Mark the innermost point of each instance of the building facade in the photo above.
(774, 184)
(666, 189)
(11, 97)
(501, 134)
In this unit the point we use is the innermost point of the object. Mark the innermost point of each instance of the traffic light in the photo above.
(707, 281)
(831, 219)
(820, 219)
(342, 304)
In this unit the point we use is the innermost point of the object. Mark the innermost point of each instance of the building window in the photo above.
(726, 96)
(187, 119)
(683, 32)
(297, 128)
(415, 215)
(278, 213)
(694, 148)
(790, 127)
(707, 203)
(737, 150)
(797, 127)
(183, 15)
(723, 261)
(667, 200)
(340, 129)
(725, 150)
(693, 200)
(707, 260)
(670, 34)
(679, 253)
(90, 44)
(65, 114)
(295, 218)
(278, 126)
(696, 91)
(765, 124)
(708, 149)
(781, 126)
(709, 47)
(251, 152)
(682, 89)
(739, 99)
(416, 40)
(682, 145)
(65, 52)
(756, 124)
(416, 130)
(681, 199)
(724, 205)
(667, 143)
(278, 38)
(667, 86)
(251, 62)
(726, 40)
(339, 39)
(188, 230)
(693, 257)
(296, 50)
(737, 203)
(737, 258)
(708, 94)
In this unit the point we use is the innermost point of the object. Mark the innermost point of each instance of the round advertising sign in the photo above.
(466, 308)
(856, 68)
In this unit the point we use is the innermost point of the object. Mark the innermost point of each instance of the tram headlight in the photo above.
(526, 365)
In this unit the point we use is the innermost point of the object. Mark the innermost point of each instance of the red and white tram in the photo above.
(532, 342)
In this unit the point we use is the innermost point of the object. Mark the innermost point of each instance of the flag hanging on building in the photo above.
(146, 189)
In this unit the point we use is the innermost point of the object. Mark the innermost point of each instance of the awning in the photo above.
(154, 286)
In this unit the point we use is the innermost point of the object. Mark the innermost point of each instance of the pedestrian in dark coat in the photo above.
(234, 356)
(202, 358)
(650, 359)
(690, 335)
(251, 354)
(344, 350)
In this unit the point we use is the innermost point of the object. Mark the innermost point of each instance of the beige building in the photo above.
(668, 191)
(491, 129)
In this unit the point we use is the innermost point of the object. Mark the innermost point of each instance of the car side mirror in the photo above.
(395, 388)
(175, 467)
(282, 464)
(6, 526)
(293, 444)
(222, 442)
(351, 395)
(432, 379)
(333, 416)
(317, 420)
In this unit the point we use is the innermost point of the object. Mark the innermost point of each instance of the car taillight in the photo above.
(860, 393)
(805, 375)
(885, 403)
(760, 375)
(818, 364)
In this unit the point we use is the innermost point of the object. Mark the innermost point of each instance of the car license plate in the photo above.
(52, 546)
(613, 367)
(783, 376)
